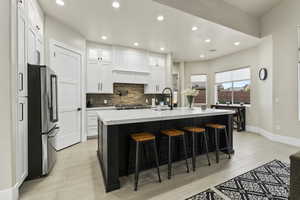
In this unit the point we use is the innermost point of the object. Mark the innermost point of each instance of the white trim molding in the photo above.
(10, 193)
(273, 137)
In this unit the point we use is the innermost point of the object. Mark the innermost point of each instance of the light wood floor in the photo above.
(77, 176)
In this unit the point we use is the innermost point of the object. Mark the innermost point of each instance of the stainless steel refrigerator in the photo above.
(42, 120)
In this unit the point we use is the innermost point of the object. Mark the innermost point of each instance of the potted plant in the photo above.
(190, 95)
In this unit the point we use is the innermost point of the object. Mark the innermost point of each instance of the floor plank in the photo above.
(76, 176)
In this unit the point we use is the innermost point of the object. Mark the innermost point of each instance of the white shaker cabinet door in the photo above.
(22, 55)
(94, 74)
(39, 51)
(32, 55)
(22, 141)
(106, 80)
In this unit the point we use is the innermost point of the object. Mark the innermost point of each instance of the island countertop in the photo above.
(116, 117)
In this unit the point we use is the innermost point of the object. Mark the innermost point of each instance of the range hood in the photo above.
(133, 77)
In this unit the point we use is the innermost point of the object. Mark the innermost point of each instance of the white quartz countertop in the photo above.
(115, 117)
(101, 108)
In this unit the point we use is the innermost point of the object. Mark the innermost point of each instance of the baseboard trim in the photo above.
(10, 193)
(273, 137)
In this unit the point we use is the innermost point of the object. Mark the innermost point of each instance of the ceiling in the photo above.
(135, 21)
(255, 8)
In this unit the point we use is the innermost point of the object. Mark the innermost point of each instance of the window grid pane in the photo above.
(241, 92)
(224, 93)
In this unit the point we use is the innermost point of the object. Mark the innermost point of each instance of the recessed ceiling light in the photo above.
(104, 37)
(202, 56)
(207, 40)
(194, 28)
(160, 18)
(136, 44)
(162, 49)
(237, 43)
(116, 4)
(60, 2)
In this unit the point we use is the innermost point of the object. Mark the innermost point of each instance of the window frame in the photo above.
(206, 88)
(232, 84)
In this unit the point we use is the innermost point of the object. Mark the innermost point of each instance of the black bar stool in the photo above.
(195, 132)
(172, 133)
(144, 138)
(218, 128)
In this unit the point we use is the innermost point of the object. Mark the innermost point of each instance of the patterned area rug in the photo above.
(270, 181)
(267, 182)
(207, 195)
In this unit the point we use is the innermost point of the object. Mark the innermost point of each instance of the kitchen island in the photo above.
(116, 152)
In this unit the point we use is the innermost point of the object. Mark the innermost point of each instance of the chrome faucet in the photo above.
(171, 96)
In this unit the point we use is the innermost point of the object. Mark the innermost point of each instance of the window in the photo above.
(233, 87)
(199, 82)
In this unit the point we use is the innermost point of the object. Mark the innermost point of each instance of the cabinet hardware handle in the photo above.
(21, 80)
(22, 112)
(98, 86)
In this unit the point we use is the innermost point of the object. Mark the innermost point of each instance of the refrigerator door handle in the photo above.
(55, 132)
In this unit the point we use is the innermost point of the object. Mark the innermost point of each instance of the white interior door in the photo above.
(67, 66)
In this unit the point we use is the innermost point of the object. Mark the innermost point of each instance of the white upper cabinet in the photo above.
(32, 56)
(100, 54)
(156, 84)
(99, 69)
(22, 7)
(35, 17)
(156, 60)
(131, 60)
(99, 79)
(107, 65)
(35, 44)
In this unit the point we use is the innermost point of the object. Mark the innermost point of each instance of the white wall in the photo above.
(260, 112)
(281, 22)
(55, 30)
(197, 68)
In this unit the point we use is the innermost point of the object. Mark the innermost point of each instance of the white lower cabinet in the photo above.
(22, 141)
(92, 124)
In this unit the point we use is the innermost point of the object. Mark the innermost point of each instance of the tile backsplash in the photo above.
(123, 94)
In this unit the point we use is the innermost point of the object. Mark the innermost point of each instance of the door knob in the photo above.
(78, 109)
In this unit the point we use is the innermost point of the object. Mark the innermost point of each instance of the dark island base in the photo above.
(116, 152)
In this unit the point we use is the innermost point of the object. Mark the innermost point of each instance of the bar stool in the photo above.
(143, 138)
(218, 128)
(195, 132)
(172, 133)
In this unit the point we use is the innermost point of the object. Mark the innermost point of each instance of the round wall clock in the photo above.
(263, 74)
